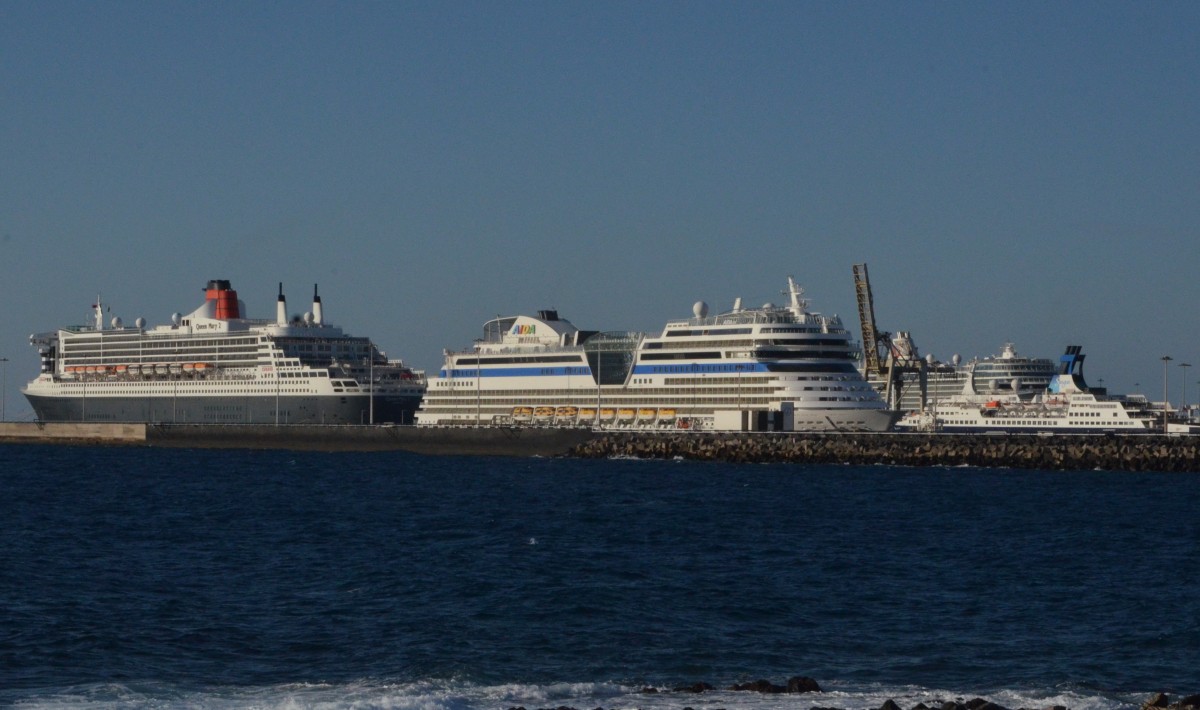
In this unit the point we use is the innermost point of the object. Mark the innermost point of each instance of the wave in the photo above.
(368, 694)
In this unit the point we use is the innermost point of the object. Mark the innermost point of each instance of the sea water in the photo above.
(163, 578)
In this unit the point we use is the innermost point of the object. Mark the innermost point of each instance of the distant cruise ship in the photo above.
(215, 366)
(776, 368)
(1000, 375)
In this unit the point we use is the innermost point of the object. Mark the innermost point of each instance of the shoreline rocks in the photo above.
(1158, 701)
(1155, 702)
(1059, 452)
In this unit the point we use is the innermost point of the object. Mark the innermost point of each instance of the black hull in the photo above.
(349, 409)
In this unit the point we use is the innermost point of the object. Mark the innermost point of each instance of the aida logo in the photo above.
(524, 330)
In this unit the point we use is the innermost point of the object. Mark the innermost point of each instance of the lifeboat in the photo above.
(543, 412)
(607, 413)
(647, 413)
(201, 367)
(91, 369)
(189, 366)
(122, 369)
(161, 369)
(666, 413)
(522, 414)
(587, 413)
(567, 412)
(626, 413)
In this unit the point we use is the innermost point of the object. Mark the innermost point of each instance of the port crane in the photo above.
(896, 361)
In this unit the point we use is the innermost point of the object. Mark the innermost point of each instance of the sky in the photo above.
(1024, 172)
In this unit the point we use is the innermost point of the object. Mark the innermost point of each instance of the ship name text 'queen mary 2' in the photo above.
(774, 368)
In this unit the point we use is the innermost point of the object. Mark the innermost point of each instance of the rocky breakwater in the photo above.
(802, 684)
(1059, 452)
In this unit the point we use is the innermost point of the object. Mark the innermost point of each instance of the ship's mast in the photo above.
(795, 293)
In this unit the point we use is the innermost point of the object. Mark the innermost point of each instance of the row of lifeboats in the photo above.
(161, 368)
(587, 414)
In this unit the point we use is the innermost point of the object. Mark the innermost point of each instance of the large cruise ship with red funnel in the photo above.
(216, 366)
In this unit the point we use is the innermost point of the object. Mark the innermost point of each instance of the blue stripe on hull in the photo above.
(470, 374)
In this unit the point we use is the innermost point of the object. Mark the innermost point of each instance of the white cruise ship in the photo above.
(1067, 406)
(215, 366)
(1007, 373)
(778, 368)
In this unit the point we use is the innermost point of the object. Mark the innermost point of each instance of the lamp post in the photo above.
(1166, 359)
(3, 384)
(1184, 365)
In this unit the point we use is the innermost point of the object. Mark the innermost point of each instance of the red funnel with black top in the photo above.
(227, 301)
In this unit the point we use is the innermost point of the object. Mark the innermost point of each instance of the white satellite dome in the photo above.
(116, 322)
(175, 318)
(140, 322)
(700, 309)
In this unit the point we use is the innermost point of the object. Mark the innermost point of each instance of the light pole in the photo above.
(1184, 365)
(3, 384)
(1166, 359)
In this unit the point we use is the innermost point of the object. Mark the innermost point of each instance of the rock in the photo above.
(647, 690)
(1191, 700)
(1158, 700)
(693, 688)
(889, 704)
(975, 703)
(802, 684)
(760, 686)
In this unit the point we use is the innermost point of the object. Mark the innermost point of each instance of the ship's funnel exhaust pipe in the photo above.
(318, 317)
(226, 299)
(281, 307)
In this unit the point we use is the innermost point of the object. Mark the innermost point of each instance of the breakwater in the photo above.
(484, 441)
(1114, 453)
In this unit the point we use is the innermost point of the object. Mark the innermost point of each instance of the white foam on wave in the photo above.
(375, 694)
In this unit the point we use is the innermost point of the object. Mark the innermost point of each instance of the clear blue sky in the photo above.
(1017, 171)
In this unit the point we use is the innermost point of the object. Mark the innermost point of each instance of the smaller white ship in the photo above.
(1067, 406)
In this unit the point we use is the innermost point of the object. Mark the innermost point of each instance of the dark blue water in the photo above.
(166, 578)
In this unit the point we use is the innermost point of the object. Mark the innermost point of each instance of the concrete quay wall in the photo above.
(1115, 453)
(490, 441)
(485, 441)
(90, 433)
